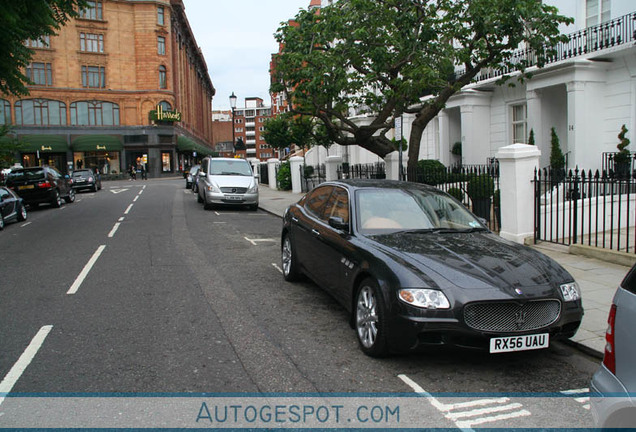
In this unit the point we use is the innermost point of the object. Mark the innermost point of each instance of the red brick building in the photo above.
(123, 84)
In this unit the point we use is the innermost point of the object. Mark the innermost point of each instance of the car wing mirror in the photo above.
(338, 223)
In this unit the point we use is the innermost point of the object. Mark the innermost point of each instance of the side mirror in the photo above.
(338, 223)
(201, 174)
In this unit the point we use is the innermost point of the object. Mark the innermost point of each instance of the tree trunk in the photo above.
(416, 137)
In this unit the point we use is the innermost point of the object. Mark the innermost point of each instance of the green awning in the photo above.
(43, 143)
(185, 144)
(97, 143)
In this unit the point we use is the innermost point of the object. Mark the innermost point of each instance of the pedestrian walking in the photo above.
(144, 173)
(133, 172)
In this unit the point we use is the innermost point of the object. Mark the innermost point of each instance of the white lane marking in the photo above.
(143, 187)
(583, 396)
(112, 232)
(141, 191)
(121, 219)
(25, 224)
(116, 191)
(136, 198)
(219, 222)
(87, 268)
(217, 213)
(128, 209)
(255, 241)
(23, 362)
(278, 268)
(446, 409)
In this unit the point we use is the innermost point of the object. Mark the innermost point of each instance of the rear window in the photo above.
(21, 175)
(629, 283)
(83, 173)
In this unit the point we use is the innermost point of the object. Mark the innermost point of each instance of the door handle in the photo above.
(315, 232)
(294, 219)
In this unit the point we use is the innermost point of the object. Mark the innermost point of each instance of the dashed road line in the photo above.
(256, 241)
(23, 362)
(128, 209)
(112, 232)
(581, 396)
(87, 268)
(25, 224)
(277, 268)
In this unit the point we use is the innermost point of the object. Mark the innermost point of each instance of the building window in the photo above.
(161, 19)
(161, 45)
(5, 112)
(94, 76)
(165, 106)
(94, 10)
(597, 12)
(94, 113)
(40, 112)
(163, 77)
(519, 124)
(91, 42)
(42, 42)
(40, 73)
(166, 162)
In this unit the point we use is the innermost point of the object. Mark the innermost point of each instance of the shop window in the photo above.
(40, 112)
(5, 112)
(91, 42)
(40, 73)
(94, 76)
(94, 10)
(94, 113)
(166, 162)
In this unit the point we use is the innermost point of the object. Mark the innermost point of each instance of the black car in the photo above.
(11, 207)
(415, 268)
(43, 184)
(86, 179)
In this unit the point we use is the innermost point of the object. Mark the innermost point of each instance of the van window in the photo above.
(629, 283)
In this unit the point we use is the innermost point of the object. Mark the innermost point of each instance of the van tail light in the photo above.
(44, 185)
(609, 359)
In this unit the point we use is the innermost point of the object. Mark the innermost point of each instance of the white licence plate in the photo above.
(519, 343)
(233, 198)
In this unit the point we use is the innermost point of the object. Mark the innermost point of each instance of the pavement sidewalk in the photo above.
(598, 279)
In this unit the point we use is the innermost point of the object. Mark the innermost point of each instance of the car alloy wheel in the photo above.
(1, 222)
(370, 320)
(71, 196)
(288, 259)
(57, 201)
(22, 214)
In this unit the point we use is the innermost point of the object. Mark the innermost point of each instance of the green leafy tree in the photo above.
(286, 130)
(622, 156)
(383, 57)
(531, 137)
(8, 147)
(557, 159)
(28, 19)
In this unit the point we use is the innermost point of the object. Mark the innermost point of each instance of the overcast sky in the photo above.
(237, 41)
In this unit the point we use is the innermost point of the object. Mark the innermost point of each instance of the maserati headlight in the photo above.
(570, 291)
(424, 298)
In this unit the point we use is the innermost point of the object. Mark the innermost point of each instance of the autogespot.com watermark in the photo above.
(307, 414)
(295, 411)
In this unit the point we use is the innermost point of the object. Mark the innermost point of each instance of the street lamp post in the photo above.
(233, 105)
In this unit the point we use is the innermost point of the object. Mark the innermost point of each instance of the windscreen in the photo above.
(230, 167)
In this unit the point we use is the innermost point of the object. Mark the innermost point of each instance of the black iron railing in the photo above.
(311, 176)
(613, 33)
(362, 171)
(582, 207)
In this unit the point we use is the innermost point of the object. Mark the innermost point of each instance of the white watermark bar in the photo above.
(297, 411)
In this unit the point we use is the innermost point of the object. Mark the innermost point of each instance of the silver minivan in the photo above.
(227, 181)
(613, 387)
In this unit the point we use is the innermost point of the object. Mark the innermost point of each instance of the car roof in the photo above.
(379, 184)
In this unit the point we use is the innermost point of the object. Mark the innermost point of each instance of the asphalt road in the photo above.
(137, 290)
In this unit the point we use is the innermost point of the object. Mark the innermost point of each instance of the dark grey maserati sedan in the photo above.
(415, 268)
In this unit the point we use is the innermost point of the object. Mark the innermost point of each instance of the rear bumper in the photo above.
(612, 405)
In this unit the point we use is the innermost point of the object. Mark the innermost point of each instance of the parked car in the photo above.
(415, 268)
(43, 184)
(86, 179)
(613, 387)
(11, 207)
(191, 175)
(227, 181)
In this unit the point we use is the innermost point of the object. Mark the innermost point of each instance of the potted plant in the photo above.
(480, 189)
(496, 203)
(531, 137)
(557, 160)
(622, 159)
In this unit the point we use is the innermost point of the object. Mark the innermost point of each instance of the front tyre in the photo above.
(289, 261)
(22, 214)
(370, 320)
(70, 197)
